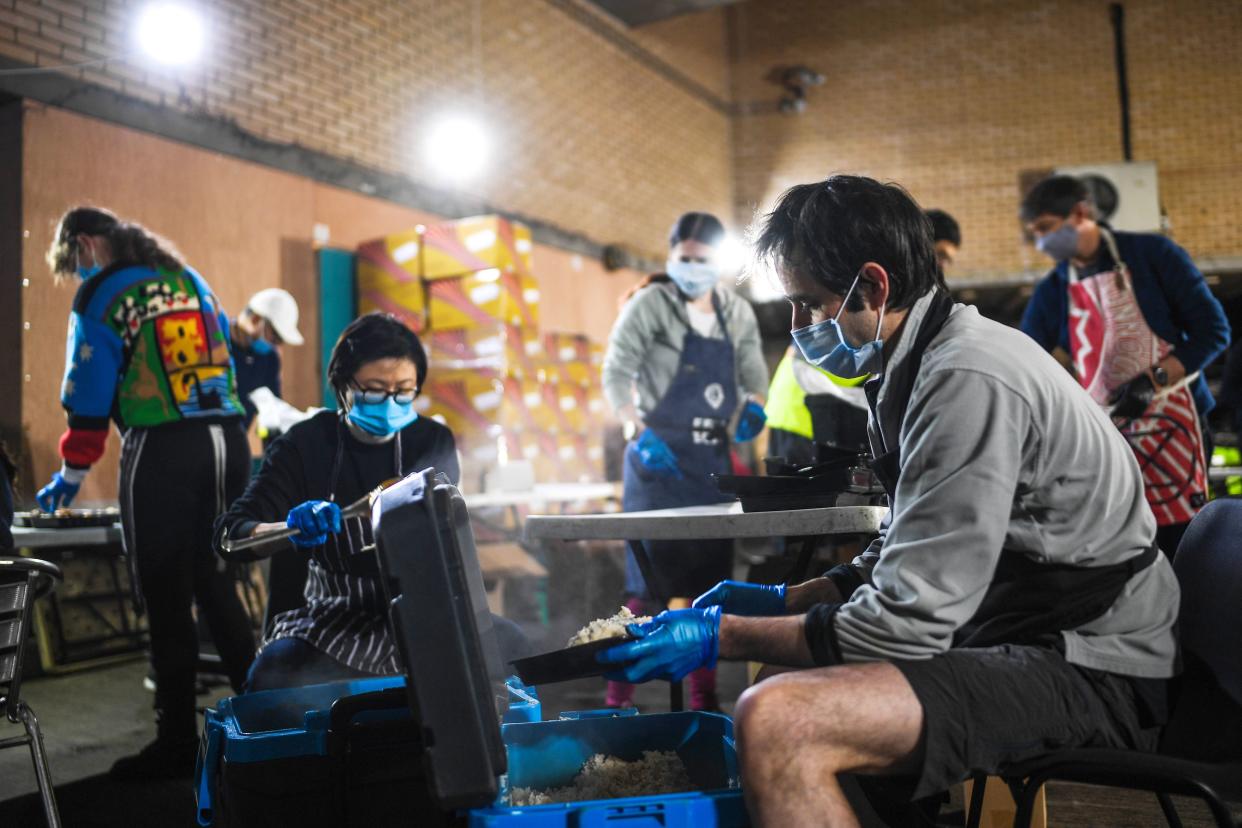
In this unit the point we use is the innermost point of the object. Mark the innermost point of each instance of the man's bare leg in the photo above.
(797, 731)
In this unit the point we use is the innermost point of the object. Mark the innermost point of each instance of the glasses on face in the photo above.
(372, 396)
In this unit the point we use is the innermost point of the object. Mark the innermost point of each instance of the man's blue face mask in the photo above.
(380, 418)
(1060, 244)
(261, 346)
(824, 346)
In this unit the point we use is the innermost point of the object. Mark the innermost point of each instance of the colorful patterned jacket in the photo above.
(145, 348)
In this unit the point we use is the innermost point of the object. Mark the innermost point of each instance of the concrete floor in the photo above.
(91, 718)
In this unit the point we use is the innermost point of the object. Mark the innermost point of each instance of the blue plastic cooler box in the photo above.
(442, 753)
(345, 753)
(549, 755)
(272, 757)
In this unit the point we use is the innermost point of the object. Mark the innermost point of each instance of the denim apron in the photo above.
(692, 418)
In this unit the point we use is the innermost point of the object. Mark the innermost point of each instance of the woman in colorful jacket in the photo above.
(148, 350)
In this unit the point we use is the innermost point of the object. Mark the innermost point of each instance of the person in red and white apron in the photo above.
(1138, 324)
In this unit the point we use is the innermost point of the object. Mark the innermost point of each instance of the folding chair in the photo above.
(1200, 752)
(22, 582)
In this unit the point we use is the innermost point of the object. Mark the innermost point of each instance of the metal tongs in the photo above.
(360, 507)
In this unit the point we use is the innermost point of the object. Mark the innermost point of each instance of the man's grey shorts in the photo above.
(986, 708)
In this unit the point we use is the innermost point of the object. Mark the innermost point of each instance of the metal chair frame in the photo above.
(29, 579)
(1158, 774)
(1210, 686)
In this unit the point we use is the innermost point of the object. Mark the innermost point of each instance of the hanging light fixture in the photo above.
(170, 33)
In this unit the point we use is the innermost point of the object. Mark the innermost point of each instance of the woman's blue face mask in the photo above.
(85, 272)
(380, 413)
(824, 346)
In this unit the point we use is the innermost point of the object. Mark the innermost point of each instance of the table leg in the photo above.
(677, 689)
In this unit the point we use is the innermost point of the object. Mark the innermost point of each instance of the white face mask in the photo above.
(693, 278)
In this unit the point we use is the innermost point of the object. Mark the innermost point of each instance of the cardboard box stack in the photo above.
(469, 289)
(389, 278)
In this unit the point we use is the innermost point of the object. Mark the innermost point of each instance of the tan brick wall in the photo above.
(586, 136)
(953, 99)
(694, 44)
(242, 226)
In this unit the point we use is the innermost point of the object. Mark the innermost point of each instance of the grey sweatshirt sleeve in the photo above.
(752, 370)
(849, 577)
(964, 437)
(628, 345)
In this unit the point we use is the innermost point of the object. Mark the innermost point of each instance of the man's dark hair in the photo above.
(831, 229)
(700, 227)
(944, 227)
(1056, 195)
(366, 339)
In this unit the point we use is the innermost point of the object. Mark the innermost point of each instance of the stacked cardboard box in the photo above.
(468, 288)
(389, 278)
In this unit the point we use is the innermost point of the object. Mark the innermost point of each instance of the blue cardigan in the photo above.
(1171, 293)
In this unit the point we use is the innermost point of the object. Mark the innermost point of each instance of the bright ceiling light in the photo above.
(457, 147)
(732, 255)
(171, 33)
(760, 284)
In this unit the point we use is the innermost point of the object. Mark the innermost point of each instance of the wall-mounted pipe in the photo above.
(1118, 14)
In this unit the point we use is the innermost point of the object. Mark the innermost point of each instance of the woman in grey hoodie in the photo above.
(684, 362)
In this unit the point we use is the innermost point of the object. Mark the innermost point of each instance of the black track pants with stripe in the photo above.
(175, 480)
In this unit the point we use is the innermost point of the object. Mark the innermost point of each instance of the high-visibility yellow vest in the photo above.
(786, 405)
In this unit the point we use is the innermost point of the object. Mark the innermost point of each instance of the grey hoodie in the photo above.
(1001, 450)
(644, 347)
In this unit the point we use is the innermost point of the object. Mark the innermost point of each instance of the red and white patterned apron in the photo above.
(1111, 343)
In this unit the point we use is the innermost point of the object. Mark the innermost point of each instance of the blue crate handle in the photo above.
(524, 704)
(205, 768)
(646, 815)
(601, 713)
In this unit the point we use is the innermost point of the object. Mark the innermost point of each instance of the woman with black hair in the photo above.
(148, 349)
(684, 360)
(377, 369)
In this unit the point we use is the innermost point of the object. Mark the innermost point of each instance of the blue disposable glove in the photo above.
(750, 422)
(656, 456)
(58, 494)
(672, 645)
(314, 519)
(738, 598)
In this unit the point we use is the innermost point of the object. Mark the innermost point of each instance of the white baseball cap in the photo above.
(280, 309)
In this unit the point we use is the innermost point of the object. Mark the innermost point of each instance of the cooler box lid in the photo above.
(443, 630)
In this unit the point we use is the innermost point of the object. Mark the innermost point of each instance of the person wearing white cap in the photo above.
(270, 319)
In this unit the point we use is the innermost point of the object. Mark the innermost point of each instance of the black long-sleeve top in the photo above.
(319, 459)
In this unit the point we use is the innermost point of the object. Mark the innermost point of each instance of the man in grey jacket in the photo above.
(1015, 601)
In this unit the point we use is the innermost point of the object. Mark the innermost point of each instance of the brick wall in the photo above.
(241, 225)
(694, 44)
(953, 99)
(586, 136)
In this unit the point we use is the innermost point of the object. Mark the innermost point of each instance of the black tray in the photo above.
(568, 664)
(67, 519)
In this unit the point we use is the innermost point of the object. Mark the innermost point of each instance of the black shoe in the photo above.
(161, 759)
